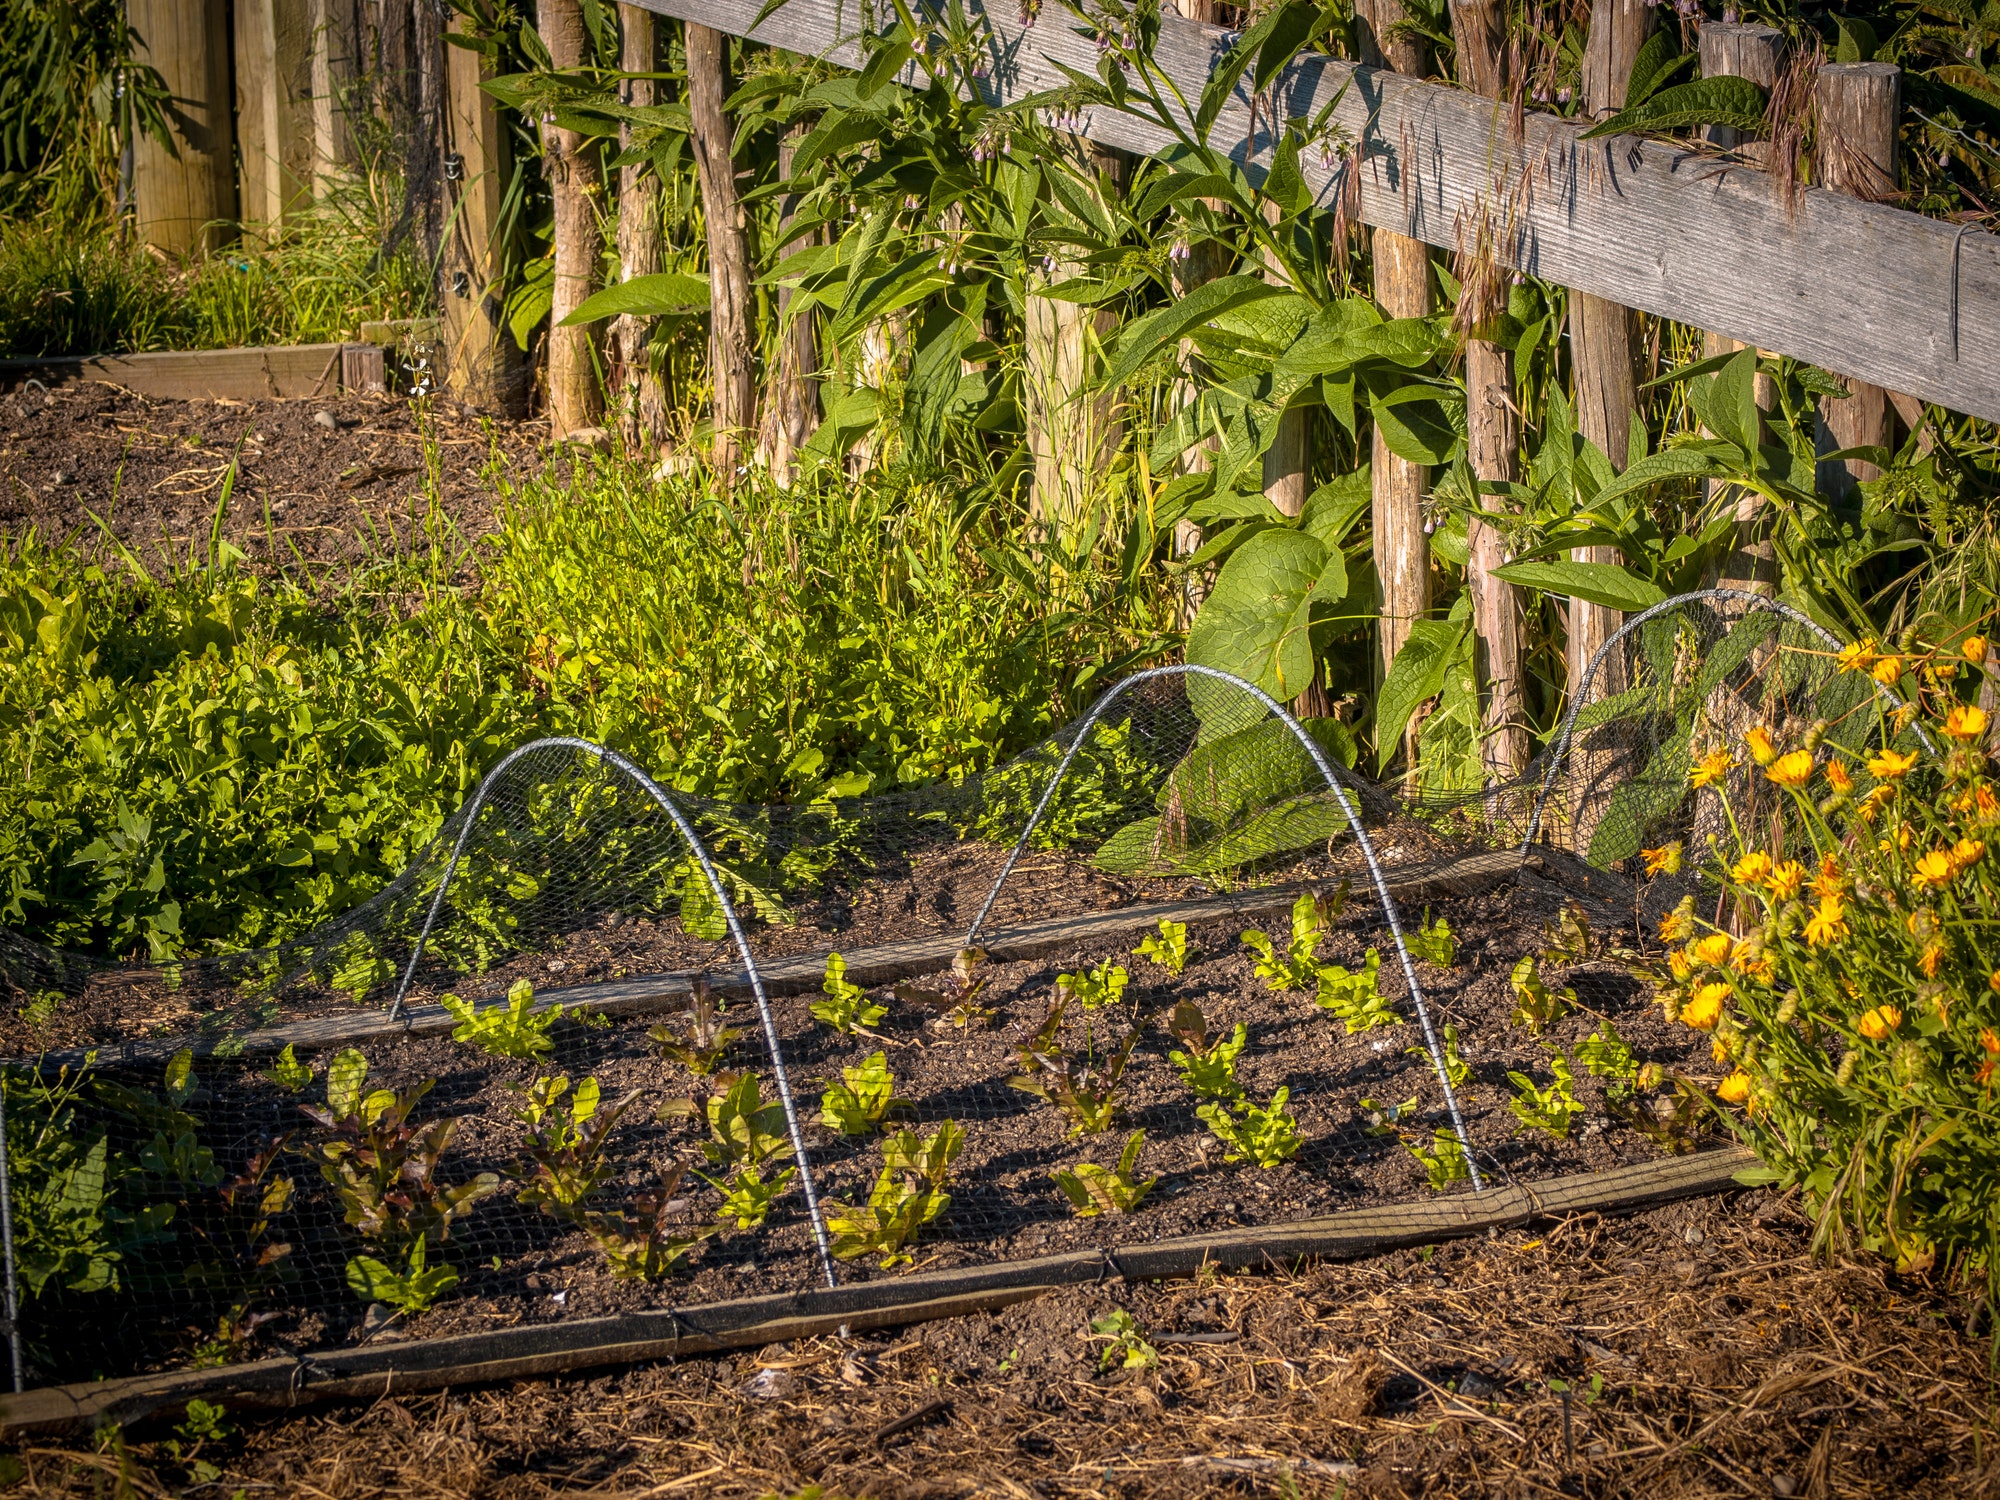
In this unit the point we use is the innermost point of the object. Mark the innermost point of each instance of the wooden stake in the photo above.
(792, 411)
(1201, 264)
(1493, 432)
(334, 46)
(482, 363)
(1858, 105)
(731, 348)
(186, 198)
(274, 116)
(577, 186)
(642, 413)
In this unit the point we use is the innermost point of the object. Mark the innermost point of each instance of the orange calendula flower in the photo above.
(1735, 1088)
(1991, 1044)
(1793, 769)
(1828, 925)
(1705, 1008)
(1756, 968)
(1761, 749)
(1974, 649)
(1752, 869)
(1965, 722)
(1674, 926)
(1966, 853)
(1666, 859)
(1713, 949)
(1829, 881)
(1985, 802)
(1858, 656)
(1993, 981)
(1877, 798)
(1888, 671)
(1891, 765)
(1932, 869)
(1880, 1023)
(1712, 767)
(1678, 965)
(1786, 880)
(1838, 778)
(1930, 958)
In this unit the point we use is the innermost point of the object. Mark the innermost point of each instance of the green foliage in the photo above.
(67, 1227)
(1605, 1054)
(411, 1290)
(1355, 996)
(1296, 969)
(1383, 1119)
(1125, 1345)
(1536, 1006)
(518, 1031)
(1553, 1108)
(1433, 943)
(1086, 1089)
(1268, 1136)
(908, 1194)
(565, 1143)
(637, 1241)
(847, 1007)
(747, 1197)
(1094, 1190)
(860, 1104)
(1455, 1067)
(708, 1040)
(288, 1073)
(1102, 985)
(744, 1131)
(1444, 1163)
(956, 1000)
(1208, 1066)
(1168, 947)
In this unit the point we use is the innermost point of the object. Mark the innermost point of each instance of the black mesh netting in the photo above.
(547, 1087)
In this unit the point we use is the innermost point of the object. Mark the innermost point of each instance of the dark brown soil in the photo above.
(1704, 1354)
(304, 493)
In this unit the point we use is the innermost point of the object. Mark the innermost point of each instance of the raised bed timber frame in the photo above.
(1683, 231)
(285, 372)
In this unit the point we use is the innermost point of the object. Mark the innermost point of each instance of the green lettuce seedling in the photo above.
(1093, 1190)
(707, 1039)
(1101, 986)
(747, 1197)
(1455, 1067)
(1125, 1342)
(859, 1105)
(1208, 1066)
(1536, 1006)
(411, 1290)
(1605, 1054)
(516, 1031)
(1355, 996)
(1384, 1118)
(1433, 943)
(1267, 1136)
(744, 1131)
(847, 1007)
(1553, 1108)
(1444, 1163)
(637, 1242)
(288, 1073)
(1169, 947)
(565, 1143)
(1086, 1089)
(1296, 969)
(908, 1194)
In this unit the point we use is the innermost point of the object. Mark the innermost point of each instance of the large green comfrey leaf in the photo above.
(1256, 622)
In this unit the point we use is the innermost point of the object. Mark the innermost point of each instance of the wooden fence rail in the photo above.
(1682, 232)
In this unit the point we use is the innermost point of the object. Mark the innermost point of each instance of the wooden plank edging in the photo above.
(752, 1322)
(277, 372)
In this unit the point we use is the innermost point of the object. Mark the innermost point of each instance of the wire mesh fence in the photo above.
(604, 1047)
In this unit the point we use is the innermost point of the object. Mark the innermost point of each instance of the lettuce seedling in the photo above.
(1208, 1066)
(1103, 985)
(1605, 1054)
(1444, 1163)
(744, 1131)
(1087, 1090)
(1296, 969)
(847, 1006)
(637, 1242)
(1536, 1006)
(1552, 1108)
(908, 1194)
(1382, 1119)
(858, 1106)
(411, 1290)
(1433, 943)
(707, 1039)
(565, 1146)
(1125, 1342)
(1169, 947)
(1266, 1136)
(957, 997)
(515, 1031)
(1094, 1190)
(1355, 996)
(288, 1073)
(747, 1197)
(1455, 1067)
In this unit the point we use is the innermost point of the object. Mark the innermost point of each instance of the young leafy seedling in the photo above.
(1444, 1163)
(956, 1000)
(1355, 995)
(515, 1031)
(846, 1007)
(858, 1106)
(744, 1131)
(908, 1194)
(411, 1290)
(1084, 1089)
(1382, 1119)
(637, 1242)
(1553, 1108)
(288, 1073)
(1605, 1054)
(1168, 947)
(565, 1145)
(1455, 1067)
(1670, 1120)
(707, 1038)
(1101, 986)
(1124, 1340)
(747, 1197)
(1434, 943)
(1208, 1066)
(1296, 969)
(1536, 1006)
(1267, 1136)
(1093, 1190)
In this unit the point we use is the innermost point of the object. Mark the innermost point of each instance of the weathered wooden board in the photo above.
(1859, 288)
(593, 1343)
(803, 972)
(281, 372)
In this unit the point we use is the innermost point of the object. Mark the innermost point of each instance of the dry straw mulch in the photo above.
(1705, 1353)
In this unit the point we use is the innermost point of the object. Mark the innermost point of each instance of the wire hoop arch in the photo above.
(700, 851)
(1582, 695)
(1349, 811)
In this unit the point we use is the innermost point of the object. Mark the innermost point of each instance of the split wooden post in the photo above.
(334, 45)
(274, 117)
(1493, 433)
(791, 411)
(185, 201)
(1403, 288)
(1197, 265)
(576, 185)
(1858, 105)
(482, 364)
(732, 351)
(1730, 49)
(642, 413)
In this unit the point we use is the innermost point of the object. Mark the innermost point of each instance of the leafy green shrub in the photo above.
(518, 1030)
(1267, 1135)
(1356, 996)
(1094, 1190)
(858, 1105)
(908, 1194)
(68, 1229)
(846, 1007)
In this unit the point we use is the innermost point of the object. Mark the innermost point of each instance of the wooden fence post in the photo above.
(185, 202)
(791, 410)
(274, 112)
(1493, 432)
(732, 351)
(1729, 49)
(482, 364)
(335, 43)
(1403, 288)
(576, 184)
(642, 415)
(1857, 106)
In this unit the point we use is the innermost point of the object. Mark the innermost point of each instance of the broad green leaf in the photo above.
(645, 297)
(1254, 623)
(1415, 425)
(1332, 509)
(1595, 583)
(1659, 62)
(1415, 675)
(1735, 102)
(1168, 326)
